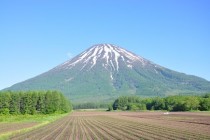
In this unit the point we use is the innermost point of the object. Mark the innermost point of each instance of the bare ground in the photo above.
(124, 125)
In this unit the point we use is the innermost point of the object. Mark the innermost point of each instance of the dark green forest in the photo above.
(33, 102)
(170, 103)
(90, 105)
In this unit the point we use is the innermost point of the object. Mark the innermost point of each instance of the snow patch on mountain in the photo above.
(111, 76)
(69, 79)
(130, 66)
(110, 56)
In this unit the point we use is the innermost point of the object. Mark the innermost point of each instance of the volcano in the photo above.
(105, 71)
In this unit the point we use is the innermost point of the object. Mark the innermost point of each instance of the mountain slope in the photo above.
(106, 71)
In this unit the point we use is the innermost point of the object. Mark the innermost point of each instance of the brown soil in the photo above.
(124, 125)
(8, 127)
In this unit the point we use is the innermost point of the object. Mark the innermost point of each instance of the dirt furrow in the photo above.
(101, 134)
(38, 132)
(161, 131)
(123, 131)
(86, 136)
(72, 129)
(54, 132)
(69, 130)
(117, 126)
(140, 129)
(171, 132)
(64, 133)
(115, 133)
(175, 121)
(83, 129)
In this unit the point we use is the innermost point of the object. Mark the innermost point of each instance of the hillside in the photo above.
(105, 71)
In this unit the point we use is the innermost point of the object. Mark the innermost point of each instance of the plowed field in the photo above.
(124, 125)
(8, 127)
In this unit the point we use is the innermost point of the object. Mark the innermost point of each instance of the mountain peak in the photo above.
(106, 71)
(105, 45)
(107, 55)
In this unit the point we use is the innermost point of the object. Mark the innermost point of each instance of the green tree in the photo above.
(40, 105)
(205, 104)
(65, 104)
(5, 99)
(32, 102)
(191, 103)
(110, 108)
(158, 103)
(14, 104)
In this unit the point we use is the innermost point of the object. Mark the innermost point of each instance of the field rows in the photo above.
(123, 125)
(8, 127)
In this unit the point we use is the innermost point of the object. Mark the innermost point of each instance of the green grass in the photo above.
(29, 118)
(39, 118)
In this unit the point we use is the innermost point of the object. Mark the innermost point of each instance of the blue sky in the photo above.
(37, 35)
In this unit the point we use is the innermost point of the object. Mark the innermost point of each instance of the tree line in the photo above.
(90, 105)
(170, 103)
(33, 102)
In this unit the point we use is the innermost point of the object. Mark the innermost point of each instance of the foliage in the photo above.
(205, 104)
(90, 105)
(110, 108)
(10, 118)
(33, 102)
(170, 103)
(136, 106)
(129, 103)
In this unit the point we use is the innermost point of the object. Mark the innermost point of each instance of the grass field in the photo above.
(11, 125)
(82, 125)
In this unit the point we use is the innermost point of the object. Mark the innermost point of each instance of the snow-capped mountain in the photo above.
(105, 71)
(107, 55)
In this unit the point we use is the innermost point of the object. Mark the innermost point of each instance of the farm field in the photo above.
(9, 127)
(123, 125)
(14, 124)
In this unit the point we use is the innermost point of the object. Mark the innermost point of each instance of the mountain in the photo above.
(105, 71)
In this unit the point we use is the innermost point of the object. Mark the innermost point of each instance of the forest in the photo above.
(49, 102)
(33, 102)
(170, 103)
(90, 105)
